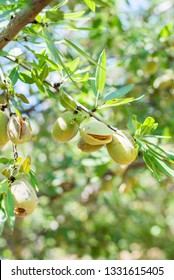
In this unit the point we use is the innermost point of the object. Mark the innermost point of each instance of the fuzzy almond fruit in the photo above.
(25, 199)
(19, 130)
(65, 127)
(96, 133)
(122, 149)
(87, 148)
(3, 129)
(151, 66)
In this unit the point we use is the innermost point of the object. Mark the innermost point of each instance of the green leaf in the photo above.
(3, 186)
(101, 72)
(3, 53)
(56, 54)
(79, 50)
(118, 102)
(150, 164)
(51, 94)
(80, 79)
(4, 160)
(119, 93)
(148, 125)
(160, 152)
(163, 167)
(74, 16)
(55, 15)
(166, 30)
(36, 79)
(90, 4)
(52, 64)
(26, 78)
(23, 98)
(73, 64)
(2, 220)
(61, 4)
(34, 181)
(170, 155)
(25, 166)
(44, 73)
(50, 44)
(9, 208)
(14, 75)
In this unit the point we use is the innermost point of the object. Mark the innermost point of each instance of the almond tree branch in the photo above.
(21, 19)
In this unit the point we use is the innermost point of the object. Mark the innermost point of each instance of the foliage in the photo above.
(90, 58)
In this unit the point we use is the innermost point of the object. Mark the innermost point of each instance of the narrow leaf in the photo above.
(150, 164)
(90, 4)
(101, 72)
(163, 167)
(3, 186)
(51, 45)
(26, 78)
(74, 16)
(73, 64)
(119, 102)
(83, 53)
(9, 208)
(14, 75)
(44, 73)
(23, 98)
(34, 181)
(119, 93)
(2, 220)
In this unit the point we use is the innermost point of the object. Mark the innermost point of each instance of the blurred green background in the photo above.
(90, 207)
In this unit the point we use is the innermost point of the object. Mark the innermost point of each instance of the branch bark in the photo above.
(21, 19)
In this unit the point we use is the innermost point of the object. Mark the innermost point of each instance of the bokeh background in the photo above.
(90, 207)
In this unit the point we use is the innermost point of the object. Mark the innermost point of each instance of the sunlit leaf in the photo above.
(119, 102)
(90, 4)
(73, 64)
(25, 78)
(101, 72)
(44, 73)
(74, 16)
(25, 166)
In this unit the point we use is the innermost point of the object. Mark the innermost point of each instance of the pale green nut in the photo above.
(96, 133)
(87, 148)
(19, 129)
(122, 149)
(3, 129)
(65, 127)
(25, 199)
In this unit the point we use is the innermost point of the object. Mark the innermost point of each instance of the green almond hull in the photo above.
(65, 128)
(3, 129)
(122, 150)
